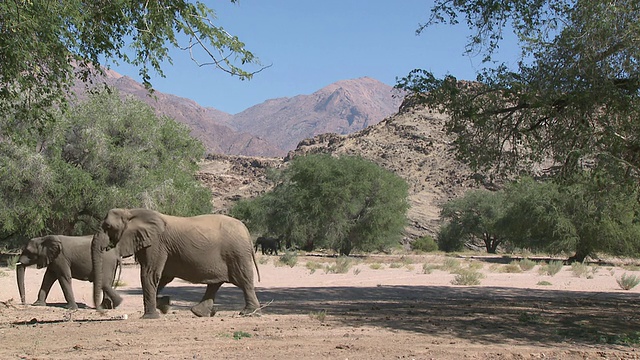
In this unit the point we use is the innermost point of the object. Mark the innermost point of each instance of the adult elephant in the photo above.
(206, 249)
(66, 258)
(268, 245)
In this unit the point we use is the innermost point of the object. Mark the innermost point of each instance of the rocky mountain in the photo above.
(207, 124)
(343, 107)
(276, 126)
(411, 143)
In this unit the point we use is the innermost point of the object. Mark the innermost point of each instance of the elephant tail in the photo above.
(119, 272)
(255, 263)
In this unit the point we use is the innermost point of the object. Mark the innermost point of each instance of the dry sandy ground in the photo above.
(396, 312)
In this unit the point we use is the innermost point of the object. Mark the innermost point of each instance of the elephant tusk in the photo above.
(18, 263)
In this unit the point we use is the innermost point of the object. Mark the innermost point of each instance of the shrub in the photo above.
(428, 268)
(581, 269)
(467, 277)
(313, 266)
(552, 268)
(544, 283)
(289, 258)
(512, 267)
(376, 266)
(425, 243)
(318, 315)
(12, 261)
(341, 266)
(450, 264)
(526, 264)
(628, 282)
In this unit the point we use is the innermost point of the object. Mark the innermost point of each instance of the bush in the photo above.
(628, 282)
(341, 266)
(552, 268)
(450, 264)
(467, 277)
(581, 269)
(526, 264)
(289, 258)
(425, 243)
(512, 267)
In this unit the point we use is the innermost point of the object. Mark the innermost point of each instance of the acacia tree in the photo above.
(476, 216)
(343, 203)
(573, 97)
(44, 43)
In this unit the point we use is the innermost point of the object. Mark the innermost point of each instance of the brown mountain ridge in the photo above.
(274, 127)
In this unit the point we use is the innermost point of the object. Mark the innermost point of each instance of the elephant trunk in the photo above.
(20, 270)
(98, 244)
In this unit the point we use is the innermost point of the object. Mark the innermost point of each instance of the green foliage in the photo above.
(581, 269)
(104, 153)
(313, 266)
(526, 264)
(12, 261)
(344, 204)
(45, 44)
(341, 266)
(237, 335)
(586, 214)
(552, 268)
(475, 216)
(512, 267)
(544, 283)
(318, 315)
(573, 96)
(289, 258)
(425, 243)
(467, 277)
(450, 237)
(450, 264)
(628, 282)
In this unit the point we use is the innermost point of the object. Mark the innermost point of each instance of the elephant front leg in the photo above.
(47, 281)
(149, 281)
(205, 307)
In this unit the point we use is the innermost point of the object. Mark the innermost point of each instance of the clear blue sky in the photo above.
(311, 44)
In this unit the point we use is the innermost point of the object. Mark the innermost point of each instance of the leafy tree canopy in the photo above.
(43, 43)
(573, 96)
(106, 152)
(592, 215)
(474, 216)
(342, 203)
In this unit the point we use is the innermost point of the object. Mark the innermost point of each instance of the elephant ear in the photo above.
(143, 227)
(48, 250)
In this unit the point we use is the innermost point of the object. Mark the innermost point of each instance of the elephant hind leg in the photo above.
(205, 308)
(252, 305)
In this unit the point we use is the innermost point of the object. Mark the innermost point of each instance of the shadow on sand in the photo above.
(484, 314)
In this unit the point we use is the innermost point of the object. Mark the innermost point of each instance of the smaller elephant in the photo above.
(66, 257)
(268, 245)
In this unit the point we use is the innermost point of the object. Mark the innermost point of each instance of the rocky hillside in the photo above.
(411, 143)
(274, 127)
(343, 107)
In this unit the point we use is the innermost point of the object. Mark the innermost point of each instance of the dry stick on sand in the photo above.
(255, 312)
